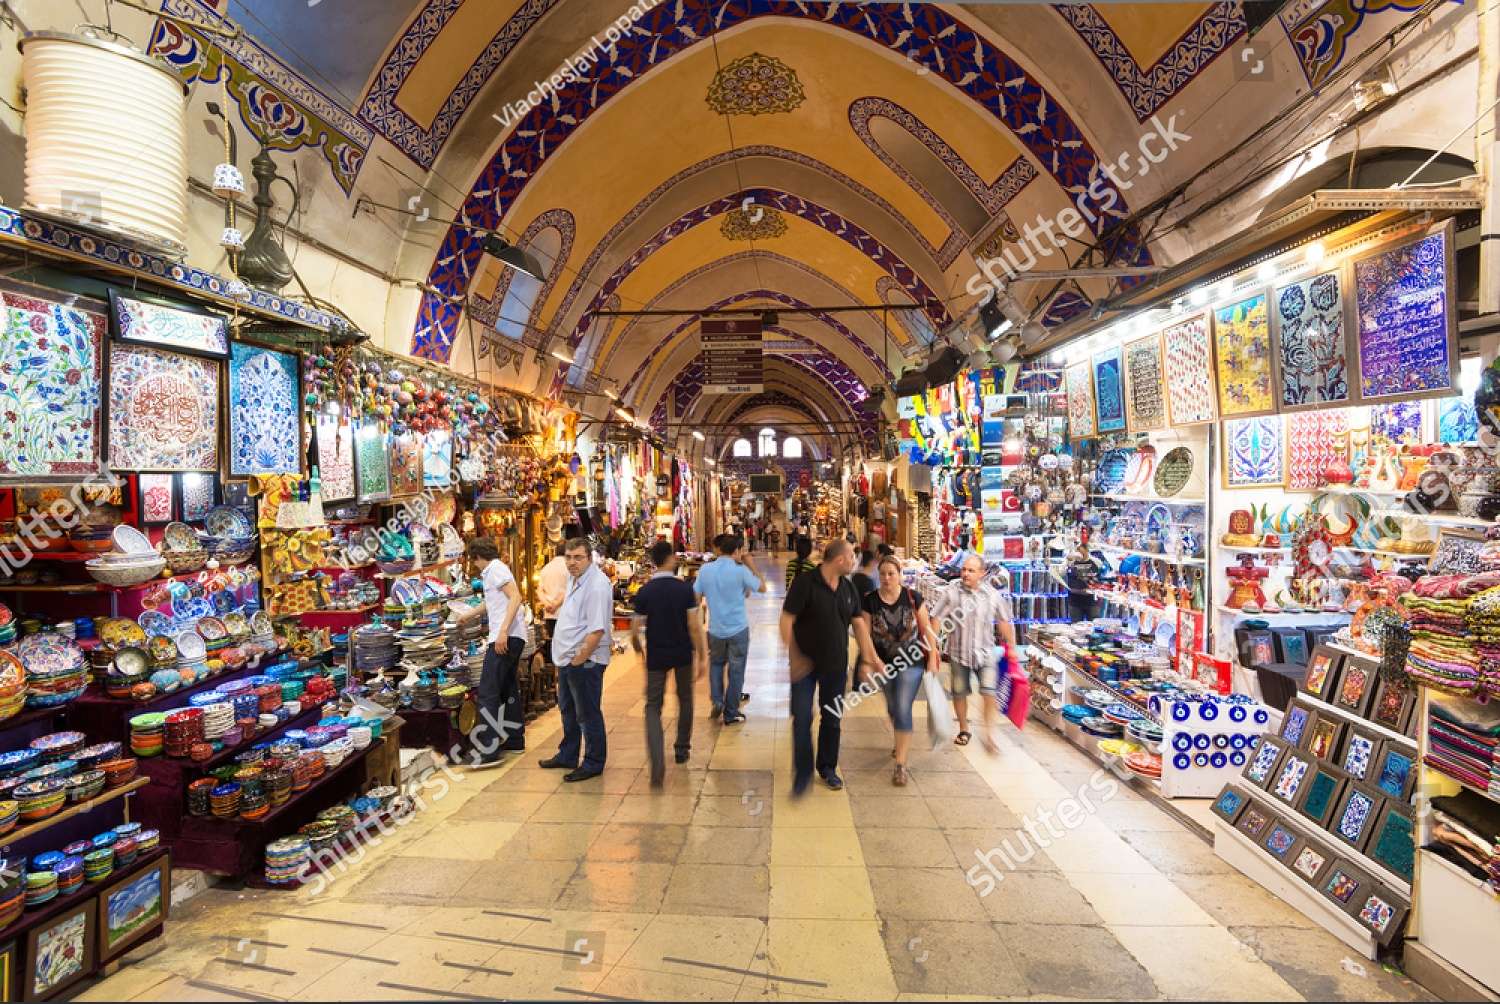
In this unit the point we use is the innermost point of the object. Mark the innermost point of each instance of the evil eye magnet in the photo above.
(1221, 741)
(1261, 717)
(1237, 713)
(1180, 712)
(1202, 741)
(1218, 760)
(1237, 742)
(1237, 758)
(1182, 761)
(1200, 760)
(1208, 711)
(1182, 742)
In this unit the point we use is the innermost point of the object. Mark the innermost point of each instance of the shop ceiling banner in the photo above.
(733, 359)
(1190, 375)
(1407, 334)
(1080, 379)
(1145, 400)
(163, 411)
(1243, 361)
(51, 377)
(1312, 343)
(265, 412)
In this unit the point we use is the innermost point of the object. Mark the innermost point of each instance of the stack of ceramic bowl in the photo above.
(98, 864)
(278, 785)
(40, 799)
(229, 537)
(342, 816)
(147, 841)
(218, 719)
(132, 562)
(12, 891)
(224, 800)
(121, 771)
(321, 834)
(10, 812)
(57, 769)
(69, 874)
(7, 625)
(41, 887)
(286, 860)
(374, 648)
(197, 795)
(192, 655)
(126, 850)
(359, 735)
(1144, 764)
(148, 733)
(184, 727)
(56, 669)
(85, 785)
(262, 631)
(183, 551)
(12, 685)
(57, 746)
(337, 751)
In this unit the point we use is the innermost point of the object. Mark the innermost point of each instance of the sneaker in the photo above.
(682, 758)
(498, 761)
(716, 711)
(734, 719)
(799, 785)
(901, 776)
(833, 780)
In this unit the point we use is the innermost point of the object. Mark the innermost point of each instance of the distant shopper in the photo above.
(775, 536)
(863, 577)
(552, 589)
(905, 642)
(885, 551)
(801, 562)
(498, 696)
(581, 650)
(979, 615)
(820, 608)
(667, 609)
(724, 583)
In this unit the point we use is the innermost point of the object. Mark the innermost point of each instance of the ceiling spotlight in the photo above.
(512, 257)
(700, 437)
(991, 317)
(977, 360)
(611, 393)
(1097, 312)
(563, 354)
(627, 416)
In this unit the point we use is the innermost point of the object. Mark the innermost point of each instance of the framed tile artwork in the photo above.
(1395, 771)
(1145, 391)
(132, 908)
(60, 952)
(1255, 820)
(1356, 685)
(1357, 757)
(437, 459)
(1080, 383)
(1393, 843)
(335, 459)
(1323, 738)
(1309, 861)
(1295, 723)
(176, 327)
(265, 412)
(1287, 784)
(1244, 360)
(1109, 390)
(1230, 803)
(51, 382)
(1314, 439)
(1320, 793)
(157, 498)
(1393, 705)
(1383, 912)
(406, 464)
(197, 493)
(1354, 819)
(1254, 452)
(1322, 672)
(1291, 645)
(1312, 345)
(1346, 885)
(1188, 355)
(1257, 646)
(372, 470)
(163, 410)
(1407, 332)
(1279, 840)
(1263, 761)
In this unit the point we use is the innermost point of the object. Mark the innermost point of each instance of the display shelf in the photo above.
(1349, 716)
(330, 612)
(34, 916)
(1351, 490)
(1126, 599)
(355, 759)
(1347, 650)
(1254, 550)
(1154, 556)
(1436, 517)
(1309, 614)
(1169, 500)
(76, 809)
(1110, 688)
(1481, 792)
(308, 716)
(418, 571)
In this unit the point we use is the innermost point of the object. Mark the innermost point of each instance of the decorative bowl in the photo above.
(124, 574)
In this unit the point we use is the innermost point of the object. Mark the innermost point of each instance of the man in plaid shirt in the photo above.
(972, 617)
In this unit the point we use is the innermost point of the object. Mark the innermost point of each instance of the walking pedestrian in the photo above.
(904, 640)
(667, 609)
(775, 540)
(724, 583)
(499, 706)
(981, 619)
(816, 616)
(802, 562)
(581, 650)
(552, 589)
(865, 576)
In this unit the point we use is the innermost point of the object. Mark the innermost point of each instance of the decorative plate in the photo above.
(117, 632)
(1109, 477)
(190, 646)
(1174, 471)
(212, 629)
(180, 537)
(131, 661)
(227, 521)
(12, 672)
(161, 648)
(154, 623)
(49, 655)
(1158, 518)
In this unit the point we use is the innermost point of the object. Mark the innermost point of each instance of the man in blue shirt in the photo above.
(724, 583)
(580, 651)
(668, 611)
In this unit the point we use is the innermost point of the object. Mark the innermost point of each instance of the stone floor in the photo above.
(510, 884)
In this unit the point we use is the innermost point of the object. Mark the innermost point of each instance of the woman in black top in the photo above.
(904, 640)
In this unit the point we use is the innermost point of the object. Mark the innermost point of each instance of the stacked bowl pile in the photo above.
(132, 562)
(229, 537)
(286, 860)
(12, 684)
(98, 864)
(148, 734)
(56, 669)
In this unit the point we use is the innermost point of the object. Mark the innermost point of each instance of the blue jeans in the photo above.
(901, 694)
(829, 683)
(732, 652)
(579, 689)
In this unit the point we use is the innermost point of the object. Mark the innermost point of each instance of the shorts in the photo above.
(961, 678)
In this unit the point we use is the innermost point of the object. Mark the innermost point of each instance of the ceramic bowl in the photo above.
(129, 540)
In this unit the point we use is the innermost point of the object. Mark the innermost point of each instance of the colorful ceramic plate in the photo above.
(180, 537)
(154, 623)
(227, 521)
(212, 629)
(131, 661)
(117, 632)
(129, 540)
(190, 647)
(1174, 471)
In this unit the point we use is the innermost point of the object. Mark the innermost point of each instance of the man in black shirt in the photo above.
(866, 576)
(819, 609)
(667, 608)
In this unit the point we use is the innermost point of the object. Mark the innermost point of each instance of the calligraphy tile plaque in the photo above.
(1145, 395)
(1407, 334)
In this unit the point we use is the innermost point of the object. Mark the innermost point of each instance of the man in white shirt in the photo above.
(552, 589)
(580, 651)
(973, 618)
(499, 701)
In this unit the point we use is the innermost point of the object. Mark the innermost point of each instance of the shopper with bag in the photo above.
(978, 616)
(906, 644)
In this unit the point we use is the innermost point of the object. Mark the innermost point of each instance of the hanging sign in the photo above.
(732, 359)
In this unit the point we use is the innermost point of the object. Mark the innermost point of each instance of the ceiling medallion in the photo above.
(758, 224)
(996, 241)
(755, 85)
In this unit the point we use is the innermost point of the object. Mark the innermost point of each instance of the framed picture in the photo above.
(1345, 884)
(1383, 912)
(197, 493)
(372, 472)
(1393, 705)
(1359, 755)
(406, 464)
(1080, 383)
(1254, 452)
(1230, 803)
(1320, 793)
(335, 459)
(265, 412)
(1354, 819)
(1296, 722)
(237, 494)
(1244, 360)
(163, 410)
(133, 907)
(437, 460)
(1188, 354)
(1322, 672)
(1395, 771)
(1109, 390)
(51, 383)
(1279, 840)
(1356, 686)
(1263, 761)
(1291, 645)
(1145, 393)
(1309, 861)
(157, 498)
(1255, 820)
(1257, 646)
(1290, 775)
(60, 952)
(177, 327)
(1323, 738)
(1393, 843)
(1407, 332)
(1312, 343)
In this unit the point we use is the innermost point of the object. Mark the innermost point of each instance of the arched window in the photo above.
(916, 324)
(742, 448)
(768, 442)
(791, 448)
(521, 294)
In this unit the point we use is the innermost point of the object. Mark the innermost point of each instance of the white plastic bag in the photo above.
(940, 724)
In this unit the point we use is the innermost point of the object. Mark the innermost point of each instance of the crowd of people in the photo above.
(684, 630)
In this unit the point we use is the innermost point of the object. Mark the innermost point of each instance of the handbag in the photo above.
(940, 723)
(1014, 692)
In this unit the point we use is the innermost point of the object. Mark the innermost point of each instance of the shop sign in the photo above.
(732, 356)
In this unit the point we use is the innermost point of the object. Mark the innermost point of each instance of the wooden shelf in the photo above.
(1350, 716)
(77, 809)
(1313, 614)
(74, 587)
(331, 611)
(419, 571)
(1169, 500)
(1155, 556)
(1436, 517)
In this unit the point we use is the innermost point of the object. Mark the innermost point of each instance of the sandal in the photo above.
(900, 777)
(962, 739)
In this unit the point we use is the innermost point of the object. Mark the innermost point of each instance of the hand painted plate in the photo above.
(180, 537)
(57, 740)
(1118, 747)
(1158, 517)
(223, 601)
(48, 655)
(1174, 471)
(117, 632)
(162, 649)
(1166, 633)
(154, 623)
(130, 661)
(190, 646)
(227, 521)
(212, 629)
(1109, 478)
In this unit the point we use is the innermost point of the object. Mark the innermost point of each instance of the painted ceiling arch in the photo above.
(485, 306)
(968, 60)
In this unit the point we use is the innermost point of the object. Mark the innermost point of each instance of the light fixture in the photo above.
(627, 416)
(511, 256)
(1315, 252)
(563, 354)
(1198, 297)
(700, 437)
(1226, 289)
(991, 317)
(611, 393)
